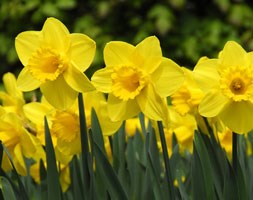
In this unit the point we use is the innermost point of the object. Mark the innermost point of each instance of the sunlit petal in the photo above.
(58, 93)
(121, 110)
(56, 34)
(102, 80)
(118, 53)
(168, 78)
(151, 104)
(27, 43)
(77, 79)
(149, 53)
(212, 104)
(82, 50)
(26, 82)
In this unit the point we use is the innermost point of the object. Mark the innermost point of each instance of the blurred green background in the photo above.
(187, 29)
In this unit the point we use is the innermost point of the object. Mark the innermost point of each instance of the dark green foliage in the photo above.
(187, 29)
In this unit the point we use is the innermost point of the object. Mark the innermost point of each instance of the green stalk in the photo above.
(166, 160)
(234, 151)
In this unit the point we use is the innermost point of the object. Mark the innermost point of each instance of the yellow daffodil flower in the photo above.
(19, 142)
(187, 98)
(137, 78)
(54, 60)
(228, 86)
(12, 98)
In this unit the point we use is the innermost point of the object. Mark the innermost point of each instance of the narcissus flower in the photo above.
(19, 142)
(137, 79)
(228, 86)
(55, 60)
(187, 98)
(12, 98)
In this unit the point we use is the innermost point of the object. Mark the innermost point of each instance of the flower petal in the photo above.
(151, 104)
(102, 80)
(168, 78)
(26, 82)
(232, 55)
(148, 54)
(82, 50)
(56, 34)
(121, 110)
(26, 43)
(206, 74)
(58, 93)
(18, 161)
(118, 53)
(36, 112)
(238, 116)
(77, 79)
(10, 84)
(212, 103)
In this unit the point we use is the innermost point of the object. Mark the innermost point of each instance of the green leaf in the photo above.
(53, 184)
(86, 164)
(109, 176)
(153, 167)
(7, 190)
(96, 131)
(76, 179)
(202, 163)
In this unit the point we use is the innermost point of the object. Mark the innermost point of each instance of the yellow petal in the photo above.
(102, 80)
(10, 84)
(18, 160)
(121, 110)
(26, 82)
(77, 79)
(168, 78)
(238, 116)
(232, 55)
(56, 34)
(206, 74)
(150, 52)
(36, 112)
(151, 104)
(118, 53)
(58, 93)
(28, 144)
(26, 43)
(212, 104)
(82, 50)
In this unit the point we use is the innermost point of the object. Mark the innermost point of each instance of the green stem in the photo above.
(166, 160)
(234, 151)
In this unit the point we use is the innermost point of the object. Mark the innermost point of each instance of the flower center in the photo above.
(66, 126)
(127, 82)
(237, 86)
(46, 64)
(237, 83)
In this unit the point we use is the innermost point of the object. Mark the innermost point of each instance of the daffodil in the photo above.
(12, 98)
(187, 98)
(54, 61)
(228, 86)
(137, 78)
(183, 127)
(19, 142)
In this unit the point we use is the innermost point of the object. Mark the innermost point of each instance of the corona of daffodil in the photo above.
(137, 79)
(54, 61)
(228, 86)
